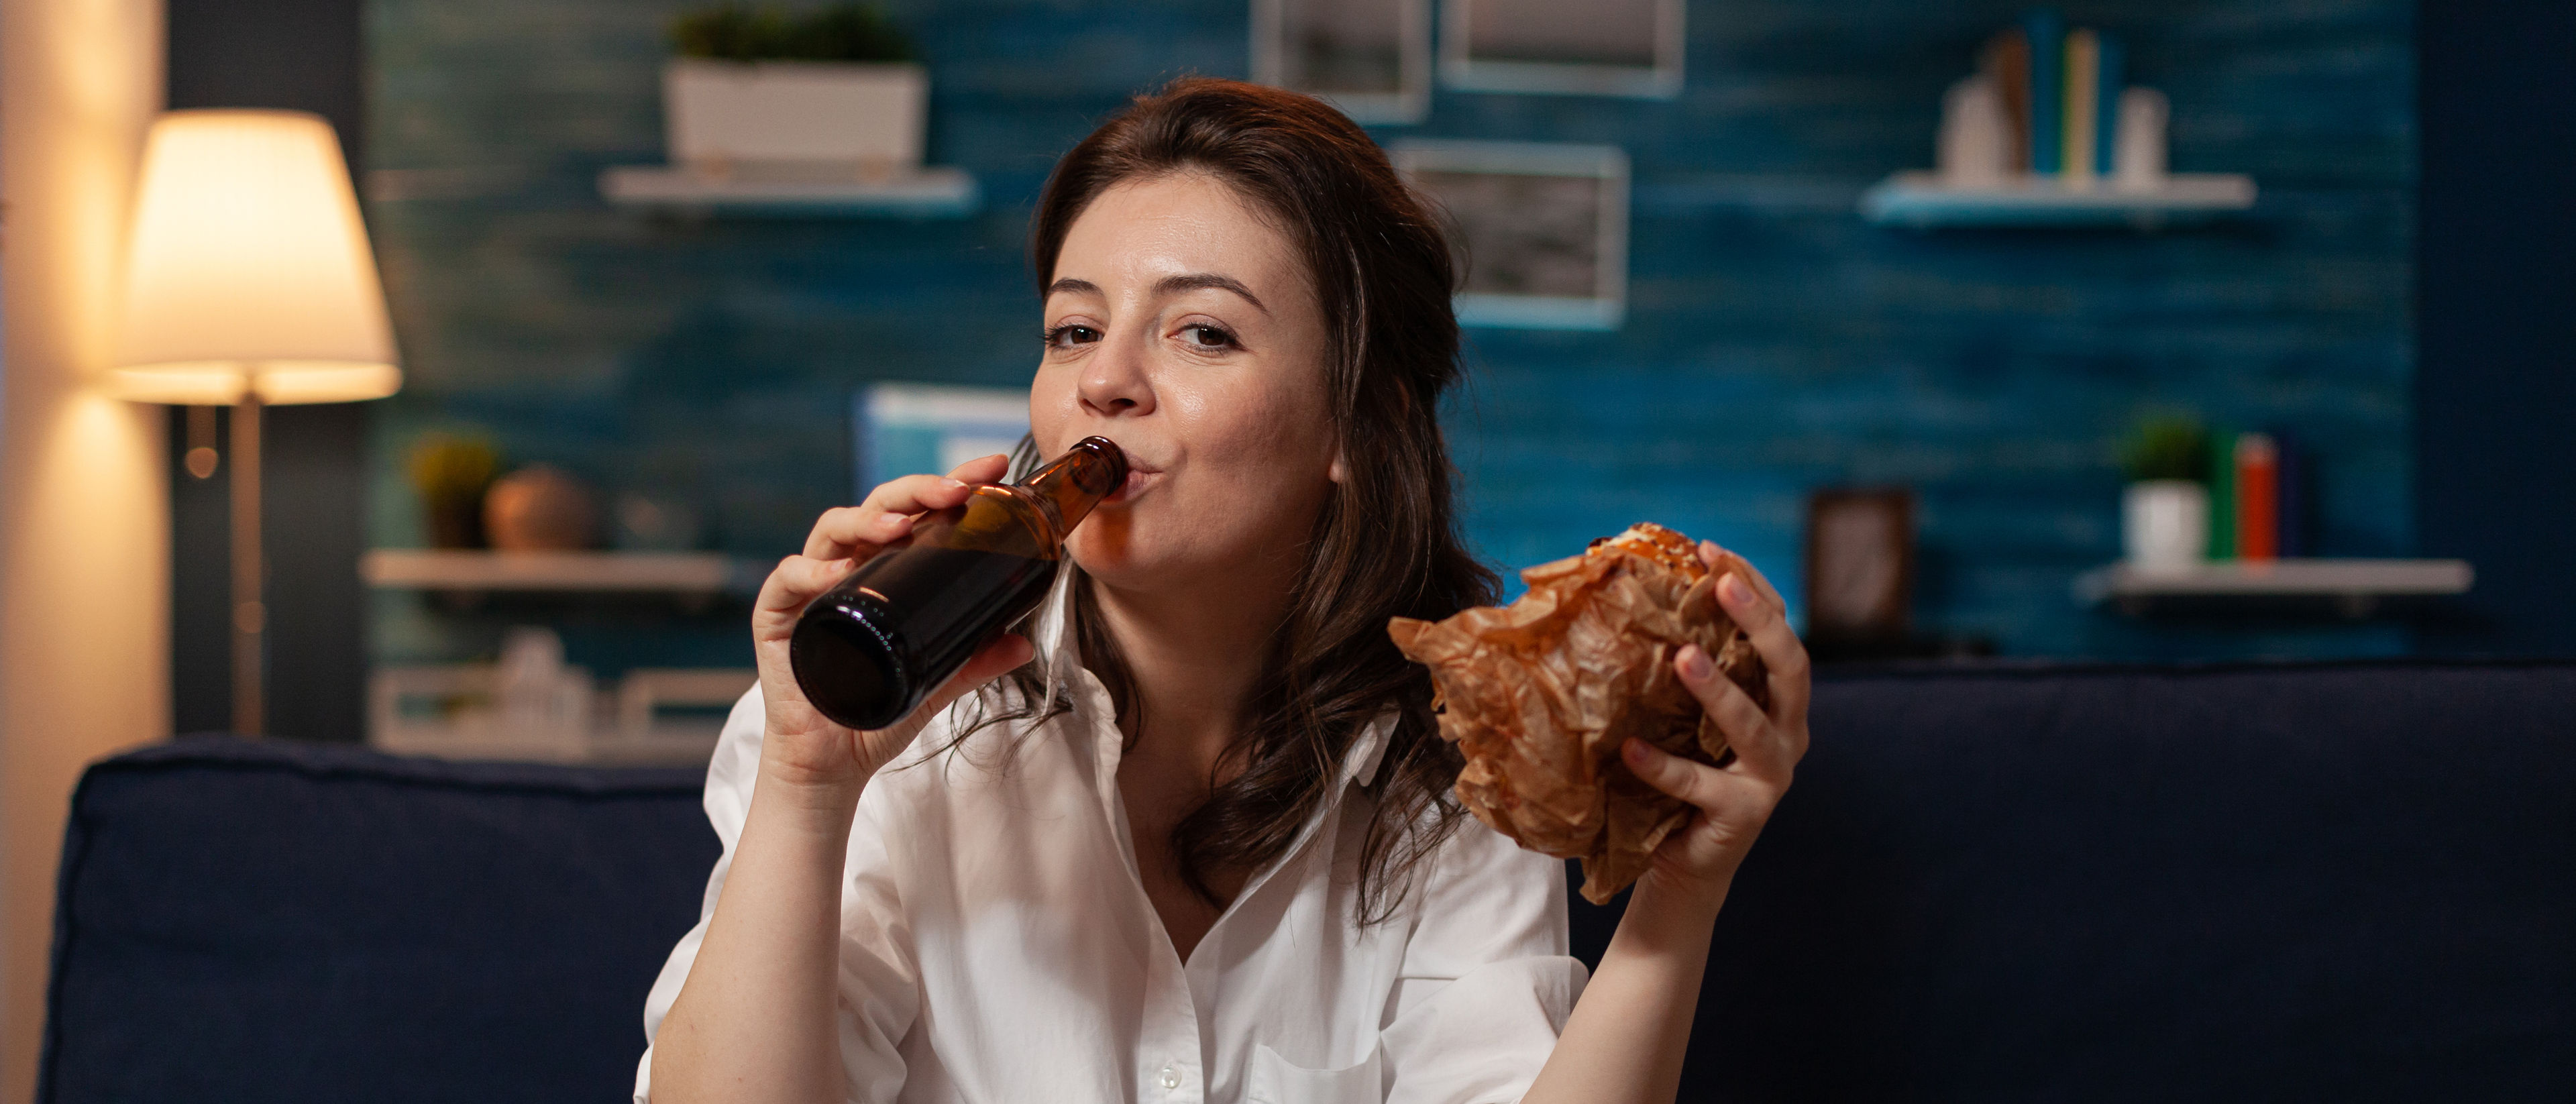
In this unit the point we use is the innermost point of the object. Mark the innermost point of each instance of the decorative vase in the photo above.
(539, 509)
(2165, 523)
(721, 117)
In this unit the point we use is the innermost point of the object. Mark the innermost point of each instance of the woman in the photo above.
(1203, 849)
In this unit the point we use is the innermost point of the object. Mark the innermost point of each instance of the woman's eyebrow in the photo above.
(1073, 285)
(1196, 280)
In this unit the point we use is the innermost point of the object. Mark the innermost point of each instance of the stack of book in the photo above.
(2258, 500)
(2061, 90)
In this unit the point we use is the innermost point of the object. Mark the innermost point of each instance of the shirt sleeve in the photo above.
(879, 990)
(1486, 983)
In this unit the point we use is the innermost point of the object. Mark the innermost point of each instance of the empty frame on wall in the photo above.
(1542, 229)
(1371, 58)
(1597, 47)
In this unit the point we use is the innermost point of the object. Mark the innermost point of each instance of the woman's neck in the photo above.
(1194, 651)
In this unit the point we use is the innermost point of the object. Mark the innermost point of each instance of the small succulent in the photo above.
(840, 32)
(2167, 446)
(448, 468)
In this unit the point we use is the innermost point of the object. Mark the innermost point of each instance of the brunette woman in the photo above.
(1198, 844)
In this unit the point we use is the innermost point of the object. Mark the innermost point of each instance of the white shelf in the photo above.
(1923, 200)
(2355, 587)
(935, 192)
(633, 572)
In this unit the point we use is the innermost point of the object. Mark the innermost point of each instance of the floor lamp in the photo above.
(248, 283)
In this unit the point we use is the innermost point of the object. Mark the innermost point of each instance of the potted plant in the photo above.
(451, 472)
(829, 92)
(2165, 511)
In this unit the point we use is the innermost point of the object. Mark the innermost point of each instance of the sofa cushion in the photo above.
(274, 921)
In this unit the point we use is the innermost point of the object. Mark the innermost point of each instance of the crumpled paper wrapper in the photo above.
(1539, 695)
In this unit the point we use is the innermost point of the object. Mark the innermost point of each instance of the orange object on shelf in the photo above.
(2258, 497)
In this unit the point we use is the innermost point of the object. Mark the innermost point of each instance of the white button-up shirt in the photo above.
(997, 943)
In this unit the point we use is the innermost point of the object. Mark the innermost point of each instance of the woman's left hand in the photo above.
(1697, 863)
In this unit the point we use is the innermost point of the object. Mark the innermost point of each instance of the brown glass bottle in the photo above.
(870, 649)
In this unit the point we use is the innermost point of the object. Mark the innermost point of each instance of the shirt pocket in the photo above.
(1275, 1080)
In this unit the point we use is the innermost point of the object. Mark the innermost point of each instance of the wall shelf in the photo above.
(688, 573)
(1921, 200)
(935, 192)
(2350, 588)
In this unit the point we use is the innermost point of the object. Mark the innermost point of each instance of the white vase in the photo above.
(723, 117)
(2165, 523)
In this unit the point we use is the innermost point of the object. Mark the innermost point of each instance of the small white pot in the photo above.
(721, 115)
(2165, 523)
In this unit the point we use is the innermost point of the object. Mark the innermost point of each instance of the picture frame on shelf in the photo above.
(1542, 229)
(1600, 48)
(1370, 58)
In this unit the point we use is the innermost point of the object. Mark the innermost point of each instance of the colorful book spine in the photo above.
(2082, 113)
(2258, 497)
(2045, 32)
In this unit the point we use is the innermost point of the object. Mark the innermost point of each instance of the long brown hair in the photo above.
(1386, 543)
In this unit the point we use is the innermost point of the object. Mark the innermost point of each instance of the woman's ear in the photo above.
(1337, 471)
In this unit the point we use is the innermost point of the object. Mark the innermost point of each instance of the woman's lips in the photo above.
(1137, 480)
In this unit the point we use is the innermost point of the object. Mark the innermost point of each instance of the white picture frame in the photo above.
(1542, 227)
(1589, 48)
(1370, 58)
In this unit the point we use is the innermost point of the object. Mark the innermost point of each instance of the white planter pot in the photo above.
(2165, 523)
(721, 115)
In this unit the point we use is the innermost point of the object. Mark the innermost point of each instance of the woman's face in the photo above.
(1182, 325)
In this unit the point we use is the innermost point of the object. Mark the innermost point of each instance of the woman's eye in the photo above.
(1068, 335)
(1206, 337)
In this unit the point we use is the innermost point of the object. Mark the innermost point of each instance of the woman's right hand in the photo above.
(801, 746)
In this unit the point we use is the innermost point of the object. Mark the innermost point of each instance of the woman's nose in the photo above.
(1114, 380)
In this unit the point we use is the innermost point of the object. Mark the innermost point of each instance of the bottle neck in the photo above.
(1071, 484)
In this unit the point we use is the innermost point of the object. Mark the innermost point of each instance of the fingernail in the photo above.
(1735, 589)
(952, 482)
(1694, 663)
(1634, 751)
(898, 520)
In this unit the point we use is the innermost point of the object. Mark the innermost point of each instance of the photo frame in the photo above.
(1542, 229)
(1370, 58)
(1595, 48)
(1859, 565)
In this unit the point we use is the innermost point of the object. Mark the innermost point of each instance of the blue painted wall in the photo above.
(1774, 342)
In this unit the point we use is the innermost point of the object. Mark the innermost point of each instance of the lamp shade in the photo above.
(247, 268)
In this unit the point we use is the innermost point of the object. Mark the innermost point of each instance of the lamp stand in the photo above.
(250, 613)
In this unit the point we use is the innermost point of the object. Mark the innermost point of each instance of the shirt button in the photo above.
(1171, 1076)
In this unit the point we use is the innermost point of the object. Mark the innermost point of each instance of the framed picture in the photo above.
(1542, 229)
(1593, 48)
(1371, 58)
(904, 428)
(1860, 565)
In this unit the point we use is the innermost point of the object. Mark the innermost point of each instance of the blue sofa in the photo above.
(2345, 882)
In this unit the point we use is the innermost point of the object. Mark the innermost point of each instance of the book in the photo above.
(2082, 112)
(2258, 487)
(2222, 494)
(2110, 80)
(2005, 61)
(2297, 537)
(2045, 32)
